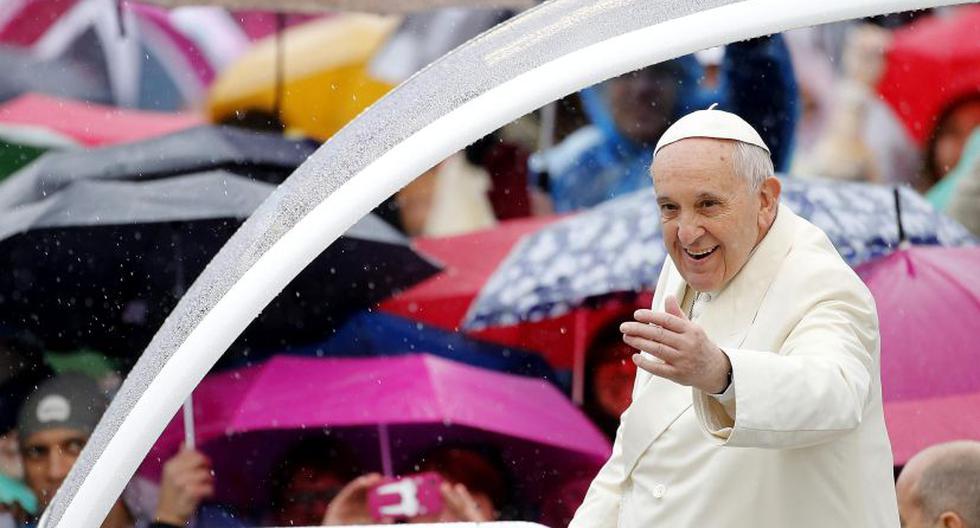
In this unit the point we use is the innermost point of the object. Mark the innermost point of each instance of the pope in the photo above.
(757, 401)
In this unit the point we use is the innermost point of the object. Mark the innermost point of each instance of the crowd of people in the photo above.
(813, 94)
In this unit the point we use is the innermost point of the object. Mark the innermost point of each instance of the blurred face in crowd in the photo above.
(10, 463)
(711, 217)
(306, 497)
(48, 456)
(952, 134)
(642, 103)
(613, 386)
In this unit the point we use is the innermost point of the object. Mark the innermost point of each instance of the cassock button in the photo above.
(659, 491)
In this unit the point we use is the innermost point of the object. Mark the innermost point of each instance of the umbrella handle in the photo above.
(578, 361)
(385, 450)
(189, 441)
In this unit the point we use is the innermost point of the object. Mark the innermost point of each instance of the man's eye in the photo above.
(709, 203)
(34, 453)
(74, 447)
(668, 208)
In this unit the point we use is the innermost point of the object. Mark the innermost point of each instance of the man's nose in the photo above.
(59, 465)
(689, 230)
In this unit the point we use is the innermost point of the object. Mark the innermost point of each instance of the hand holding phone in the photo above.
(406, 497)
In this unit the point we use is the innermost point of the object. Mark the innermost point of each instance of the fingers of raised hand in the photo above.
(652, 332)
(669, 321)
(658, 349)
(654, 366)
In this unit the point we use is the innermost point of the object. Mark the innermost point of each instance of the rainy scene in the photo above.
(502, 263)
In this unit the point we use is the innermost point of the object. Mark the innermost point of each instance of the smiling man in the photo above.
(757, 401)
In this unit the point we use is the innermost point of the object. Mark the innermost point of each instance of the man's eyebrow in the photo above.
(710, 196)
(663, 199)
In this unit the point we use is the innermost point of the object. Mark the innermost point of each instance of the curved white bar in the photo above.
(88, 503)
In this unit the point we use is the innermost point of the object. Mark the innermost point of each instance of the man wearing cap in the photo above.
(757, 401)
(54, 424)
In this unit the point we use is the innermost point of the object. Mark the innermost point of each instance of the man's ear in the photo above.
(769, 192)
(951, 520)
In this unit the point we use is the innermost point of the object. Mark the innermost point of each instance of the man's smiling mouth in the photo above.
(700, 255)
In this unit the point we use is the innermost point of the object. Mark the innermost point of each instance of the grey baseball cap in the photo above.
(71, 401)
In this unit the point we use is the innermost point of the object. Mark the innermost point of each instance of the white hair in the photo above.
(752, 163)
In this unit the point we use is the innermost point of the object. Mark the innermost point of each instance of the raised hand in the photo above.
(680, 348)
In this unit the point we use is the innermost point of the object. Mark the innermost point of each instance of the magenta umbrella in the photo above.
(389, 410)
(929, 309)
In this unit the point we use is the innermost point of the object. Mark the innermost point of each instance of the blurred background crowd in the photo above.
(466, 331)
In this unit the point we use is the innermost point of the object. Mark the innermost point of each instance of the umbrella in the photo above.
(23, 72)
(943, 50)
(262, 156)
(367, 6)
(91, 124)
(133, 50)
(389, 410)
(468, 262)
(22, 144)
(101, 263)
(928, 302)
(313, 77)
(617, 247)
(371, 333)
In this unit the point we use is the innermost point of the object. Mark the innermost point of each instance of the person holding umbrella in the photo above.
(760, 338)
(55, 423)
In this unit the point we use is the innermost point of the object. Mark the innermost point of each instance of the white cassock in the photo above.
(803, 443)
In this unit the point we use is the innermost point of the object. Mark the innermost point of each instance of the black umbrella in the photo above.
(24, 73)
(259, 155)
(101, 263)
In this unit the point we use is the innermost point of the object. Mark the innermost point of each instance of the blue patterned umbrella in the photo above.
(617, 246)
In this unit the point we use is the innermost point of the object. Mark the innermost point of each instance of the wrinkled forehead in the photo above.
(696, 161)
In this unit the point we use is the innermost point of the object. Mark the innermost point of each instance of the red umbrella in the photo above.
(91, 124)
(468, 261)
(929, 309)
(930, 64)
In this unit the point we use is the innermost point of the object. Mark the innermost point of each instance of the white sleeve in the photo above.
(812, 390)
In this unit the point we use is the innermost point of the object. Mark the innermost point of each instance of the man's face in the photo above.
(48, 456)
(642, 104)
(711, 217)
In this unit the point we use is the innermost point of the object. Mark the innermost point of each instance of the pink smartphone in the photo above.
(406, 497)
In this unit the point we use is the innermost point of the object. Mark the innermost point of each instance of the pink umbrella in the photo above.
(91, 124)
(391, 409)
(929, 308)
